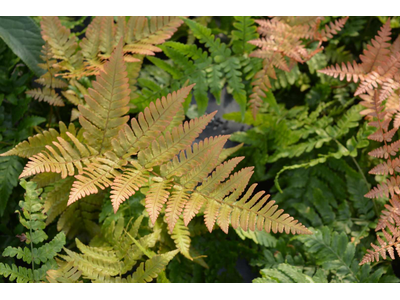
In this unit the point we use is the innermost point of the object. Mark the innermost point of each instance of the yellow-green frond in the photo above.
(181, 237)
(38, 142)
(62, 158)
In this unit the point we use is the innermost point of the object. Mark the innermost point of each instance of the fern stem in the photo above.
(30, 240)
(148, 254)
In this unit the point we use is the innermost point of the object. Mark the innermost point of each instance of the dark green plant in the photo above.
(38, 254)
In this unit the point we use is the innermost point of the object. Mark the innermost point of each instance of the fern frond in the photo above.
(97, 269)
(39, 255)
(90, 44)
(201, 155)
(38, 142)
(169, 143)
(107, 104)
(282, 39)
(181, 237)
(97, 174)
(50, 83)
(386, 150)
(391, 244)
(63, 46)
(62, 158)
(155, 32)
(66, 273)
(47, 95)
(32, 218)
(332, 28)
(353, 72)
(150, 123)
(107, 33)
(391, 215)
(156, 197)
(125, 185)
(218, 50)
(390, 186)
(150, 269)
(21, 274)
(379, 50)
(176, 202)
(246, 31)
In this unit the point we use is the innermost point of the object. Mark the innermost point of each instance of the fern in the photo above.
(333, 252)
(379, 66)
(246, 31)
(211, 69)
(138, 35)
(118, 254)
(159, 156)
(285, 273)
(375, 77)
(33, 219)
(281, 41)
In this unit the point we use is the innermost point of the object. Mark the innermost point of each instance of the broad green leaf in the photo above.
(23, 36)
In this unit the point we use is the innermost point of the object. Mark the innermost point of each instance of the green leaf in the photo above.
(23, 36)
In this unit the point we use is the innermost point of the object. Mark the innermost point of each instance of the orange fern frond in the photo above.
(391, 215)
(391, 244)
(378, 50)
(331, 29)
(352, 72)
(283, 38)
(106, 104)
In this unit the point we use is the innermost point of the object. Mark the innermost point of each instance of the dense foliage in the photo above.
(132, 190)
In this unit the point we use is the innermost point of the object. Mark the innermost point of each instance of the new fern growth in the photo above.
(153, 153)
(32, 218)
(377, 75)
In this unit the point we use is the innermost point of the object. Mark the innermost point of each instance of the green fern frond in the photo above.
(336, 254)
(245, 31)
(39, 255)
(32, 218)
(218, 50)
